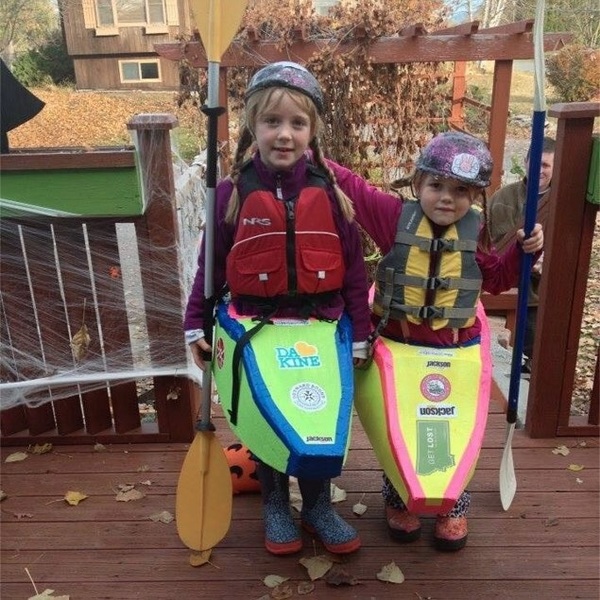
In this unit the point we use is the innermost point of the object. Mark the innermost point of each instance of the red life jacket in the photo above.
(285, 248)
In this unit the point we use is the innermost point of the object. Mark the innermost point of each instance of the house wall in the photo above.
(102, 73)
(96, 51)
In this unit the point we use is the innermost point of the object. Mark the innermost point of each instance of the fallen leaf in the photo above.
(552, 522)
(47, 595)
(163, 517)
(3, 495)
(80, 343)
(40, 448)
(129, 495)
(337, 494)
(272, 581)
(143, 469)
(391, 573)
(125, 487)
(98, 447)
(174, 393)
(23, 515)
(561, 450)
(305, 587)
(339, 576)
(282, 592)
(576, 479)
(316, 566)
(359, 509)
(16, 457)
(147, 482)
(197, 559)
(74, 498)
(576, 467)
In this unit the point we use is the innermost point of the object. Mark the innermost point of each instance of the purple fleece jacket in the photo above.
(354, 295)
(378, 213)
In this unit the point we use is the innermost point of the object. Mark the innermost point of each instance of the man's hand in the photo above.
(197, 349)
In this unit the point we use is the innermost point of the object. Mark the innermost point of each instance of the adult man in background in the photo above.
(507, 209)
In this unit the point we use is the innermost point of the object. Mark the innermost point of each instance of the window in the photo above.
(124, 13)
(133, 71)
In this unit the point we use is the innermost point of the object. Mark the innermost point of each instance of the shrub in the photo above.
(49, 63)
(574, 71)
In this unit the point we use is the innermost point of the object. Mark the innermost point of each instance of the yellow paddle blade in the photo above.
(204, 494)
(218, 21)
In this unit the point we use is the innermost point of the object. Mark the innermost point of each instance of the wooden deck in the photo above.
(546, 547)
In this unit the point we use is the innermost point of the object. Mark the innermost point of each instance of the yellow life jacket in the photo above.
(429, 278)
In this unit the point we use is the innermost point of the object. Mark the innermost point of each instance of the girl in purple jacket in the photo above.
(451, 174)
(283, 106)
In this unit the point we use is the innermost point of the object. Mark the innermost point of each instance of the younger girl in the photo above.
(279, 185)
(451, 174)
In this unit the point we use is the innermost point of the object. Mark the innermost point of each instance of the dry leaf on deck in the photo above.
(163, 517)
(129, 495)
(359, 509)
(563, 450)
(98, 447)
(339, 576)
(23, 515)
(40, 448)
(80, 343)
(47, 595)
(74, 498)
(305, 587)
(282, 592)
(125, 487)
(3, 495)
(16, 457)
(576, 467)
(272, 581)
(337, 494)
(317, 566)
(197, 559)
(391, 573)
(143, 468)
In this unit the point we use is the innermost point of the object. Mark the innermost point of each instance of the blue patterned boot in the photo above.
(281, 534)
(320, 518)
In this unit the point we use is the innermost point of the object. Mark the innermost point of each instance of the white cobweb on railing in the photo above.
(91, 303)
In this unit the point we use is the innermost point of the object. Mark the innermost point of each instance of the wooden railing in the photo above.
(110, 412)
(568, 246)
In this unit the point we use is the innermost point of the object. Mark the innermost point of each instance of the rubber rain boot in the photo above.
(320, 518)
(281, 534)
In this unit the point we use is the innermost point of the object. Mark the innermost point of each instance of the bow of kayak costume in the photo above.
(424, 400)
(292, 317)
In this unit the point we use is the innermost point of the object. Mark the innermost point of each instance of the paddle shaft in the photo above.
(533, 183)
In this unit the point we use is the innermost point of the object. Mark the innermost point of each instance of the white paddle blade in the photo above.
(508, 481)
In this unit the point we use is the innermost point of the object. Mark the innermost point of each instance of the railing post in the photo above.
(176, 397)
(567, 250)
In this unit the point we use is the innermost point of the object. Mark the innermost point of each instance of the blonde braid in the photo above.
(245, 141)
(344, 201)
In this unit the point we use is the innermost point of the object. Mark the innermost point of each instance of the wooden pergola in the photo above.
(461, 44)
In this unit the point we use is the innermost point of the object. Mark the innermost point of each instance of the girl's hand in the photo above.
(534, 243)
(360, 363)
(197, 349)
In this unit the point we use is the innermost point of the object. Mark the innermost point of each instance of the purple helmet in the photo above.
(290, 75)
(459, 156)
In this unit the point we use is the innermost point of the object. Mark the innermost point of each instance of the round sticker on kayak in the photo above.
(435, 387)
(308, 396)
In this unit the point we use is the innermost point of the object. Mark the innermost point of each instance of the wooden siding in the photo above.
(103, 73)
(546, 546)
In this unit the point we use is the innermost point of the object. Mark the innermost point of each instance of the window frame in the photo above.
(139, 61)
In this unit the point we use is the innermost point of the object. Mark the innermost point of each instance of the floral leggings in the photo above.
(392, 498)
